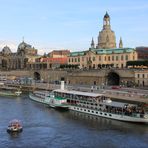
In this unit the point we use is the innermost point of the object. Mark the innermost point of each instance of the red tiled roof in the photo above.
(55, 60)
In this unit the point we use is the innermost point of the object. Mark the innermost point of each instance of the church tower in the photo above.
(120, 43)
(106, 21)
(106, 38)
(92, 44)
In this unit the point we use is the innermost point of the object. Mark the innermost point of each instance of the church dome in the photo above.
(106, 15)
(6, 50)
(22, 45)
(106, 38)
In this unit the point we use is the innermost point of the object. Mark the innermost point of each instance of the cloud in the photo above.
(41, 51)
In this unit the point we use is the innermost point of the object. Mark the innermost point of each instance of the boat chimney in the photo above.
(62, 85)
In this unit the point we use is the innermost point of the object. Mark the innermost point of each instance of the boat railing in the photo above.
(132, 114)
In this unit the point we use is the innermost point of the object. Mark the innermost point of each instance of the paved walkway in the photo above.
(127, 96)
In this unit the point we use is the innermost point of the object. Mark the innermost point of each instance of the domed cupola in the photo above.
(106, 38)
(106, 21)
(22, 47)
(6, 50)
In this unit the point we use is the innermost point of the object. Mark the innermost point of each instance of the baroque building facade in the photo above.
(18, 60)
(52, 60)
(105, 52)
(141, 77)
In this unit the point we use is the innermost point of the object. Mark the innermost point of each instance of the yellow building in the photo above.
(96, 58)
(105, 54)
(141, 77)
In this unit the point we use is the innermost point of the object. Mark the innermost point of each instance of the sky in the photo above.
(70, 24)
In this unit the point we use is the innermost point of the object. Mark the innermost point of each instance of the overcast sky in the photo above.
(70, 24)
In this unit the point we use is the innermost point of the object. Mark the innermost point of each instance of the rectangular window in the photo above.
(126, 57)
(112, 58)
(78, 59)
(109, 58)
(143, 75)
(99, 58)
(93, 58)
(116, 58)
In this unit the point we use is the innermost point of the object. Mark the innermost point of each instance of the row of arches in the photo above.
(13, 63)
(112, 78)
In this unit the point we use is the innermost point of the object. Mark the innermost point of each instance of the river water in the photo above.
(49, 128)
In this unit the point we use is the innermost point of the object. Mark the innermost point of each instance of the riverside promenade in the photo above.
(130, 94)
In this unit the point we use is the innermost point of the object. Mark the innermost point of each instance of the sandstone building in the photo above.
(50, 61)
(18, 60)
(105, 53)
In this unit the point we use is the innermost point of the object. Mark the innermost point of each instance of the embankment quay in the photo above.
(124, 93)
(29, 88)
(106, 76)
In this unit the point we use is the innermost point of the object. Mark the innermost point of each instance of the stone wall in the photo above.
(17, 73)
(88, 77)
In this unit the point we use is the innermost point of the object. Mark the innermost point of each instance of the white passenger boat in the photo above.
(40, 96)
(10, 93)
(18, 92)
(49, 98)
(58, 101)
(100, 105)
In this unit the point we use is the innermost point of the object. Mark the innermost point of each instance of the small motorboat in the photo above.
(18, 93)
(15, 126)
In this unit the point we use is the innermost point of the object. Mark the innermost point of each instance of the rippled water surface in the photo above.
(48, 128)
